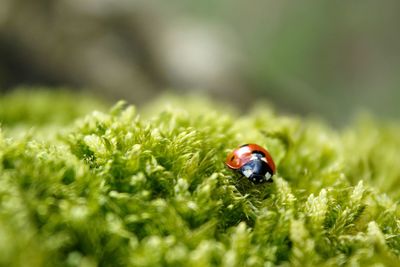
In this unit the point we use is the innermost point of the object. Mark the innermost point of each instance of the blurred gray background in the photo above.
(326, 58)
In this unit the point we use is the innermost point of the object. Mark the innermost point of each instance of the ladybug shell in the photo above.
(243, 154)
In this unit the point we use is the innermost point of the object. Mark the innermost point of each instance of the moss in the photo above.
(149, 188)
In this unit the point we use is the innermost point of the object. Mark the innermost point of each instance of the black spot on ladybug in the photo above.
(258, 152)
(233, 157)
(244, 145)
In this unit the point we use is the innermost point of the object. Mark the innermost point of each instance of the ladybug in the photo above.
(253, 162)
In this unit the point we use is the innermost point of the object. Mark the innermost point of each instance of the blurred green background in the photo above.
(325, 58)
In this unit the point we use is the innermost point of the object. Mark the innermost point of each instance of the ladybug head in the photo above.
(257, 170)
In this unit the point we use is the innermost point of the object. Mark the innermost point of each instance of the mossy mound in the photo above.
(121, 189)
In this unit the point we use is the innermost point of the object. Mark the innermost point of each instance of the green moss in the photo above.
(123, 189)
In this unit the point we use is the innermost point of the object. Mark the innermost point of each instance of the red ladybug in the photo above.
(253, 162)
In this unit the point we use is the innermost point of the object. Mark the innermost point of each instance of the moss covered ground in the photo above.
(121, 187)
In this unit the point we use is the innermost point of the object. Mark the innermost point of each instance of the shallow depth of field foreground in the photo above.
(148, 187)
